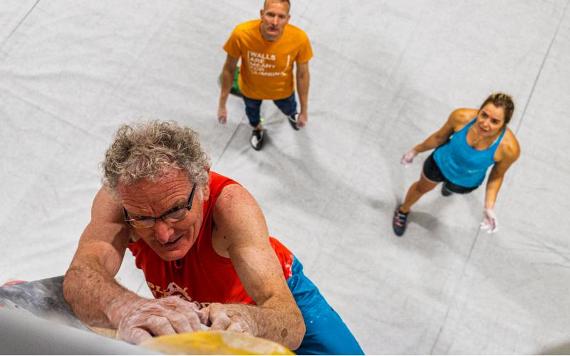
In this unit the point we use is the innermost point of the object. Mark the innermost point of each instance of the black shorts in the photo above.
(432, 172)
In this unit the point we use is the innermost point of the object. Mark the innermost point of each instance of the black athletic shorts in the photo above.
(432, 172)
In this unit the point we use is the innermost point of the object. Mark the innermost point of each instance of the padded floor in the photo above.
(385, 75)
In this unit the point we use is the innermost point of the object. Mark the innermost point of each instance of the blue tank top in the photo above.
(462, 164)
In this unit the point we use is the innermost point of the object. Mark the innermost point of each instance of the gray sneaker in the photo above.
(293, 121)
(256, 139)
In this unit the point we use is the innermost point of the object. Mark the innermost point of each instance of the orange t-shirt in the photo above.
(267, 66)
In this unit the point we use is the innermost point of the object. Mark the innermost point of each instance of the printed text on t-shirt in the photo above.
(264, 64)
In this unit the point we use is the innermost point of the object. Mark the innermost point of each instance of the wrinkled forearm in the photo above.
(285, 326)
(94, 295)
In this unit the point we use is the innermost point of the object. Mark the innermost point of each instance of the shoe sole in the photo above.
(255, 147)
(293, 125)
(397, 231)
(260, 144)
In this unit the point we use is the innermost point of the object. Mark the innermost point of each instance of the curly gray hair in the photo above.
(145, 150)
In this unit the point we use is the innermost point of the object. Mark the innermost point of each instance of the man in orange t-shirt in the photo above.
(268, 48)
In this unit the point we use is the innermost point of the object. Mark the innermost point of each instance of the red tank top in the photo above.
(202, 275)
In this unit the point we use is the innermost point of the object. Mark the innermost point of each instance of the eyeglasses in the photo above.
(172, 216)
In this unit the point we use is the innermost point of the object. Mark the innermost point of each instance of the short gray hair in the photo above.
(146, 150)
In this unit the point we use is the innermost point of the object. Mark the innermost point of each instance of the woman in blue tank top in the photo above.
(471, 141)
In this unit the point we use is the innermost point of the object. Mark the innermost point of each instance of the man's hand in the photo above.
(302, 119)
(408, 157)
(222, 115)
(230, 317)
(147, 318)
(489, 223)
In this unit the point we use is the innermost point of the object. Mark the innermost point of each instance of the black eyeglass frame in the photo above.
(132, 221)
